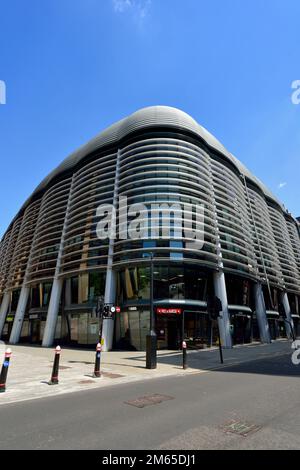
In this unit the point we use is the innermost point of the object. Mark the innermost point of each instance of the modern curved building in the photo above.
(54, 266)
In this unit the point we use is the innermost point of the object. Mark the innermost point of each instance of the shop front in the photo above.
(133, 325)
(179, 291)
(276, 325)
(83, 328)
(169, 327)
(241, 324)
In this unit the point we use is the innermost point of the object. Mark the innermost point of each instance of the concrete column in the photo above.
(3, 310)
(110, 282)
(224, 322)
(57, 285)
(19, 316)
(260, 310)
(286, 305)
(52, 313)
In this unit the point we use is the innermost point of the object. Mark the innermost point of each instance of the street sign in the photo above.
(169, 311)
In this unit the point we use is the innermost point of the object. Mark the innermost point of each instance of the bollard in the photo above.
(184, 355)
(4, 370)
(97, 372)
(54, 376)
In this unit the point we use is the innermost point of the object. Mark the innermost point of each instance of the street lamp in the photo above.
(151, 338)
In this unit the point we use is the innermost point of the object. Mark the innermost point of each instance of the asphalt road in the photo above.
(261, 398)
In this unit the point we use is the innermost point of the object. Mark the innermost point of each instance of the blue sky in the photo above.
(73, 67)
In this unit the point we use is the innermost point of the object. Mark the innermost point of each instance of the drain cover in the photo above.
(242, 428)
(110, 375)
(84, 382)
(148, 400)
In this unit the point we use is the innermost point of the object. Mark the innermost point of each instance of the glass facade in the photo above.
(158, 157)
(170, 282)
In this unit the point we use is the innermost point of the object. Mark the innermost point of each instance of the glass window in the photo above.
(47, 287)
(14, 300)
(238, 290)
(35, 297)
(134, 326)
(170, 282)
(96, 285)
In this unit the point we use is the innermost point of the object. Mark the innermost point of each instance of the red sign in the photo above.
(169, 311)
(118, 309)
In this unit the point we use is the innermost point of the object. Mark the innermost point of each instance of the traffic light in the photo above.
(214, 307)
(110, 310)
(107, 311)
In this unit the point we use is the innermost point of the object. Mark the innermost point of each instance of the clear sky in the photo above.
(73, 67)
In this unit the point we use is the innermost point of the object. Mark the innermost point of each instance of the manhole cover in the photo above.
(148, 400)
(242, 428)
(110, 375)
(85, 382)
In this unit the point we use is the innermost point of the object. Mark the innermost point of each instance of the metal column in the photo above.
(260, 310)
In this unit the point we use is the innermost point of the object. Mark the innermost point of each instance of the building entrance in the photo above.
(198, 331)
(169, 331)
(241, 328)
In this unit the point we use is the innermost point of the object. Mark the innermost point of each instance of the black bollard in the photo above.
(54, 376)
(4, 370)
(184, 355)
(97, 372)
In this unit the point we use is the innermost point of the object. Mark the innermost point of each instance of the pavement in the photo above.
(30, 368)
(252, 404)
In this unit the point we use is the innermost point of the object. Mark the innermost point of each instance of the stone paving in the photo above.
(31, 367)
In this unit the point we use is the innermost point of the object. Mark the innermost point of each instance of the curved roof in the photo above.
(147, 117)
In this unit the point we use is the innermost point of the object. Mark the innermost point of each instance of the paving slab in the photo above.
(31, 366)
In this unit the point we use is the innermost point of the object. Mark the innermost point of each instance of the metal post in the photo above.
(184, 348)
(99, 313)
(220, 347)
(55, 370)
(4, 370)
(184, 355)
(151, 340)
(97, 372)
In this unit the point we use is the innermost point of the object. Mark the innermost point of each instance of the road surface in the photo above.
(255, 405)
